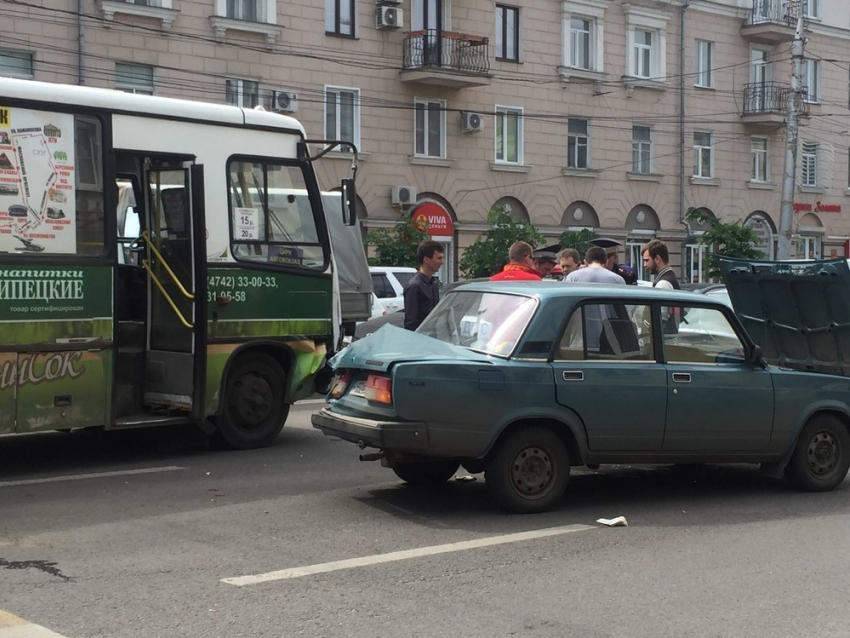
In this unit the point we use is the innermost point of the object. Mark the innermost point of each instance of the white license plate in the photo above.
(358, 389)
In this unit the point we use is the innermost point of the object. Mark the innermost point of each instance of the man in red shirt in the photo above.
(520, 267)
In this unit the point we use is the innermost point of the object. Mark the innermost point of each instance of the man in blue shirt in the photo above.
(421, 293)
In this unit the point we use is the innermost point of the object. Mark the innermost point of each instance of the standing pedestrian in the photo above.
(544, 262)
(656, 259)
(569, 260)
(596, 269)
(421, 293)
(610, 246)
(520, 266)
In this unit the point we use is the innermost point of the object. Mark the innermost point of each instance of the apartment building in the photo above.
(605, 114)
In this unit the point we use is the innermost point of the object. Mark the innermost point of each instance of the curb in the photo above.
(13, 627)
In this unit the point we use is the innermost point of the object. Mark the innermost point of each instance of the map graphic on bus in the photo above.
(37, 197)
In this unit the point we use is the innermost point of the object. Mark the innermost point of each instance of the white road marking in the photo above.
(82, 477)
(377, 559)
(12, 626)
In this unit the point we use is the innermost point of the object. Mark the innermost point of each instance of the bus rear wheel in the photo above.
(254, 410)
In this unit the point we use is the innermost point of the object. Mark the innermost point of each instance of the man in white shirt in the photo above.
(596, 271)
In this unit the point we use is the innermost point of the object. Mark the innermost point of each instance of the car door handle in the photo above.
(573, 375)
(681, 377)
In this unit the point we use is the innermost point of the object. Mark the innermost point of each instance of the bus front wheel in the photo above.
(254, 410)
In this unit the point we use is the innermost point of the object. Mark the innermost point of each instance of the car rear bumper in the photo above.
(409, 436)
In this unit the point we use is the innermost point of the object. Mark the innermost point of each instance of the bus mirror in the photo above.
(349, 202)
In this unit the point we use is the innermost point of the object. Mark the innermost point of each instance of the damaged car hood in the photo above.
(390, 345)
(798, 312)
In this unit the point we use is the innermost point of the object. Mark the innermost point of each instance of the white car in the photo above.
(378, 308)
(388, 285)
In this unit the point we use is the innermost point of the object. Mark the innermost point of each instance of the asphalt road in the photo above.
(144, 533)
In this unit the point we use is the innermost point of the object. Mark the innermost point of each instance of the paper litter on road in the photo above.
(466, 479)
(620, 521)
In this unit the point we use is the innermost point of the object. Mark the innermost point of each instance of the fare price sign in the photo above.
(247, 224)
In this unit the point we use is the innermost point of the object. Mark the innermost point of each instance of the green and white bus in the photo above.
(146, 276)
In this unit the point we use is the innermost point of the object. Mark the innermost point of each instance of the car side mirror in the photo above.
(349, 202)
(756, 356)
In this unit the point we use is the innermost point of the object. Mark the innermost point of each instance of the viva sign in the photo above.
(435, 219)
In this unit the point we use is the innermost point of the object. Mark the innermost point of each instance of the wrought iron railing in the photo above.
(763, 98)
(783, 12)
(446, 50)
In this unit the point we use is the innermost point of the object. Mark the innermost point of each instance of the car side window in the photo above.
(699, 335)
(382, 287)
(612, 331)
(403, 277)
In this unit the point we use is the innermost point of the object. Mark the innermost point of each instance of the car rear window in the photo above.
(404, 277)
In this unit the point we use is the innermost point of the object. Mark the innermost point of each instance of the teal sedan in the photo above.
(523, 381)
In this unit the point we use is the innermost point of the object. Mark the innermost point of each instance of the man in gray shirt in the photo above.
(595, 271)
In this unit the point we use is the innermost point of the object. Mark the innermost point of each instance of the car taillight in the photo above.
(340, 384)
(379, 389)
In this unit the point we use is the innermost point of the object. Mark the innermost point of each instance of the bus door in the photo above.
(175, 262)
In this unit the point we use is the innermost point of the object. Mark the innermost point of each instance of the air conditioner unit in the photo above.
(284, 101)
(388, 18)
(471, 122)
(404, 195)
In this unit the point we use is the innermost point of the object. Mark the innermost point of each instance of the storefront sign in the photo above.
(435, 219)
(761, 227)
(818, 207)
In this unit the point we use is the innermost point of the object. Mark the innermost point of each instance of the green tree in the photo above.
(730, 240)
(489, 252)
(396, 247)
(578, 239)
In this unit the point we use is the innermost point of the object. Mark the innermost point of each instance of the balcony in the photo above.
(766, 104)
(772, 21)
(445, 58)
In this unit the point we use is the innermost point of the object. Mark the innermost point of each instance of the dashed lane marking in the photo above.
(377, 559)
(83, 477)
(13, 627)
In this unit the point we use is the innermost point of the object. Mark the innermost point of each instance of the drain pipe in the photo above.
(81, 43)
(682, 65)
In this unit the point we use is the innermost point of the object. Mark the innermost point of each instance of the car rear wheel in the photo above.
(529, 470)
(822, 456)
(426, 473)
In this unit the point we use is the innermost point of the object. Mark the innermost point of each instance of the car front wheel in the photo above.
(528, 471)
(426, 473)
(822, 456)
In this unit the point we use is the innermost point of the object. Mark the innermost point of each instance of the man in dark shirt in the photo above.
(421, 293)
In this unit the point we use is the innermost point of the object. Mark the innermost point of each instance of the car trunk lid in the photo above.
(390, 345)
(797, 312)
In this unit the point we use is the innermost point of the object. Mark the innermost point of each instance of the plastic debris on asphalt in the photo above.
(620, 521)
(466, 479)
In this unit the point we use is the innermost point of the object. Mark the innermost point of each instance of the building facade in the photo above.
(603, 114)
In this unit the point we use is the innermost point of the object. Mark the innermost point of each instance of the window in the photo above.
(695, 256)
(643, 54)
(339, 17)
(704, 155)
(508, 135)
(578, 142)
(811, 8)
(342, 114)
(244, 93)
(430, 128)
(272, 219)
(705, 64)
(634, 250)
(507, 33)
(811, 79)
(242, 10)
(608, 332)
(16, 64)
(382, 286)
(134, 78)
(758, 146)
(809, 173)
(699, 335)
(641, 150)
(580, 43)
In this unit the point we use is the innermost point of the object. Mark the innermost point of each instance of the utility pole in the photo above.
(792, 129)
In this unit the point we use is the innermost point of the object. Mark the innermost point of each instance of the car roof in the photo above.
(544, 290)
(391, 269)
